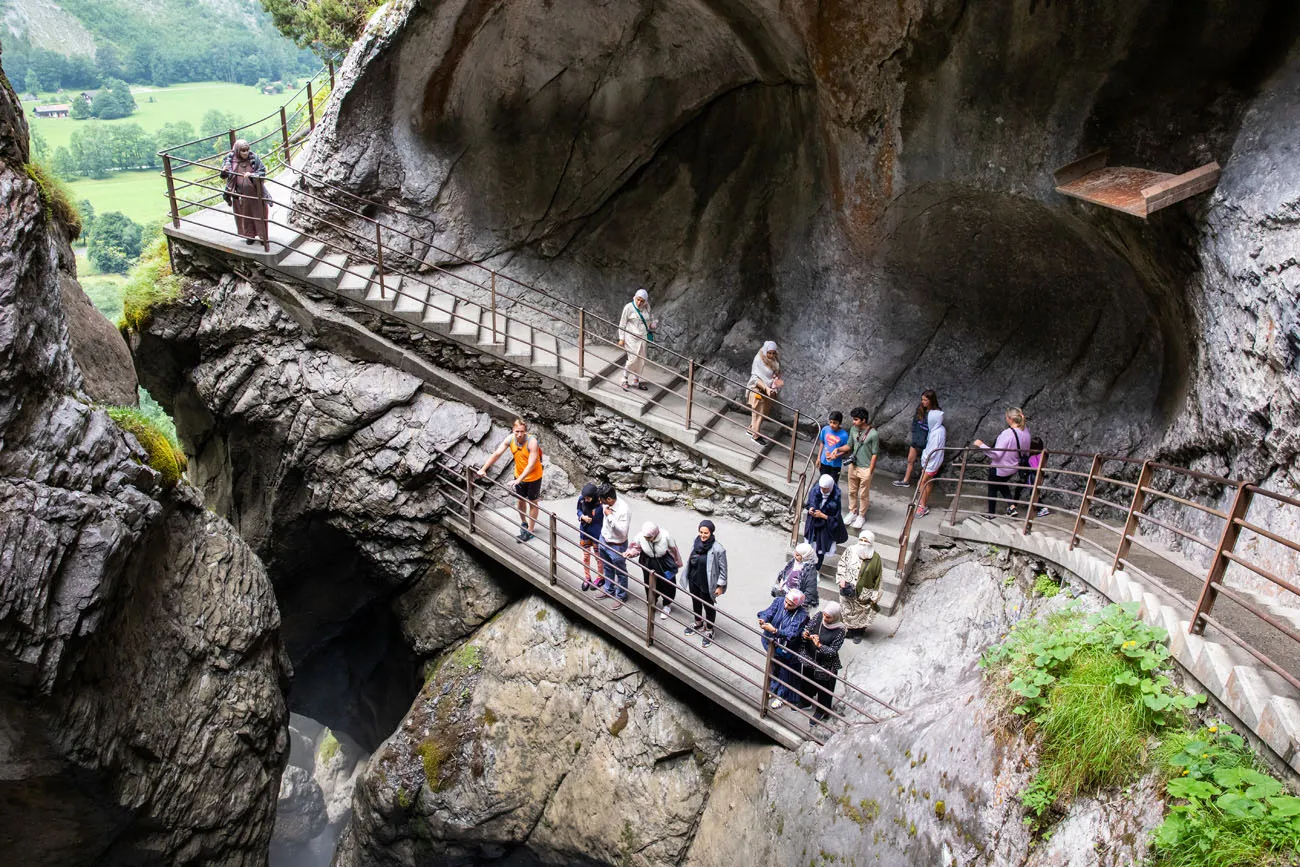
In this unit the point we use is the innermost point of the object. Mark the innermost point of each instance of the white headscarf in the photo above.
(825, 483)
(866, 545)
(643, 295)
(804, 550)
(796, 596)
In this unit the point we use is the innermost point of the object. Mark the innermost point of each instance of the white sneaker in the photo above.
(859, 522)
(665, 611)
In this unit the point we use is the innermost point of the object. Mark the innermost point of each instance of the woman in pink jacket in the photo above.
(1005, 456)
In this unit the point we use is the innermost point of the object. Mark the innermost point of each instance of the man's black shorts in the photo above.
(529, 490)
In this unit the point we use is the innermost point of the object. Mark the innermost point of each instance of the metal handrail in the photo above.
(459, 483)
(1146, 493)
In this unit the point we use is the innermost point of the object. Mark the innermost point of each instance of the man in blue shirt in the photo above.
(833, 441)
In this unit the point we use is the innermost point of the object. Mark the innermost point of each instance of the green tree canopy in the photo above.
(114, 242)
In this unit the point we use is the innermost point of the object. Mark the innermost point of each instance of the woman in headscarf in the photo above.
(660, 561)
(246, 191)
(636, 330)
(706, 580)
(800, 573)
(783, 623)
(858, 577)
(824, 526)
(764, 383)
(823, 637)
(591, 517)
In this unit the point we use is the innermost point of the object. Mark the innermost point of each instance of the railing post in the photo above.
(554, 563)
(956, 497)
(794, 439)
(582, 342)
(767, 677)
(1219, 563)
(494, 307)
(311, 109)
(284, 135)
(1088, 490)
(469, 496)
(232, 139)
(690, 391)
(1033, 495)
(266, 215)
(650, 611)
(171, 191)
(1134, 509)
(330, 64)
(379, 261)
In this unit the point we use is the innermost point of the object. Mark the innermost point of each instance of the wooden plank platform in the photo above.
(1139, 192)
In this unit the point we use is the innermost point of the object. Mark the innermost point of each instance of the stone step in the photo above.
(301, 259)
(356, 280)
(519, 339)
(467, 321)
(326, 272)
(547, 355)
(438, 310)
(662, 390)
(411, 298)
(1279, 727)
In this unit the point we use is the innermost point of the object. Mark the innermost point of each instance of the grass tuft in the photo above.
(150, 283)
(164, 454)
(56, 198)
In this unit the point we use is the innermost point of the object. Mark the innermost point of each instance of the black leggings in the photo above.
(1001, 485)
(705, 612)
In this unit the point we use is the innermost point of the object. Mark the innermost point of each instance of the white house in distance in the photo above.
(59, 110)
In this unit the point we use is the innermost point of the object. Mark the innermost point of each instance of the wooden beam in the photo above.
(1184, 186)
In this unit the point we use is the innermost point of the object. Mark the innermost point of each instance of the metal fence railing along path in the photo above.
(734, 670)
(1149, 519)
(706, 402)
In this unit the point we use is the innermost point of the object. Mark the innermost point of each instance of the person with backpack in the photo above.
(932, 458)
(591, 518)
(660, 560)
(920, 434)
(636, 331)
(527, 452)
(1007, 457)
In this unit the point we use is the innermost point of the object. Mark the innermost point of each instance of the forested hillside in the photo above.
(161, 43)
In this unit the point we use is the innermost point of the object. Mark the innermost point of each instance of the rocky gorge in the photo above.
(869, 186)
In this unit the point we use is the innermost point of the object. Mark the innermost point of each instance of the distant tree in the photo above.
(332, 23)
(132, 147)
(109, 62)
(90, 151)
(80, 108)
(81, 72)
(87, 211)
(114, 100)
(50, 66)
(114, 242)
(40, 147)
(32, 84)
(63, 164)
(139, 67)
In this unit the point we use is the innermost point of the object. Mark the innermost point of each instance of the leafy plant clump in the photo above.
(1231, 814)
(1093, 689)
(56, 198)
(164, 455)
(150, 283)
(1046, 587)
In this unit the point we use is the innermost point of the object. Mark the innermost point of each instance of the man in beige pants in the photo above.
(864, 448)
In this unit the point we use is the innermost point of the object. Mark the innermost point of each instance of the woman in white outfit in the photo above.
(636, 330)
(764, 383)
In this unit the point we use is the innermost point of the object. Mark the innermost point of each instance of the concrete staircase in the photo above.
(717, 429)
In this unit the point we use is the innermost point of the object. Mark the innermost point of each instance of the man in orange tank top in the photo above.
(527, 482)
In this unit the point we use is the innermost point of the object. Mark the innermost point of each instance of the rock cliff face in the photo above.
(322, 460)
(872, 188)
(141, 672)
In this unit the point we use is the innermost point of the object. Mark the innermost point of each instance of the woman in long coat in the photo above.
(823, 637)
(636, 330)
(824, 527)
(858, 577)
(783, 623)
(246, 192)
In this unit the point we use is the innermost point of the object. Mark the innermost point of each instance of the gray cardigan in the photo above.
(716, 566)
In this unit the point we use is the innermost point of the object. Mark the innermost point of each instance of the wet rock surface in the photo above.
(871, 188)
(536, 739)
(141, 673)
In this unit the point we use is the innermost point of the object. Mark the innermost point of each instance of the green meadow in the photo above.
(140, 195)
(171, 105)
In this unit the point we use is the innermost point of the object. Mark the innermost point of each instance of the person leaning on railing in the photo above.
(932, 458)
(246, 191)
(1006, 457)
